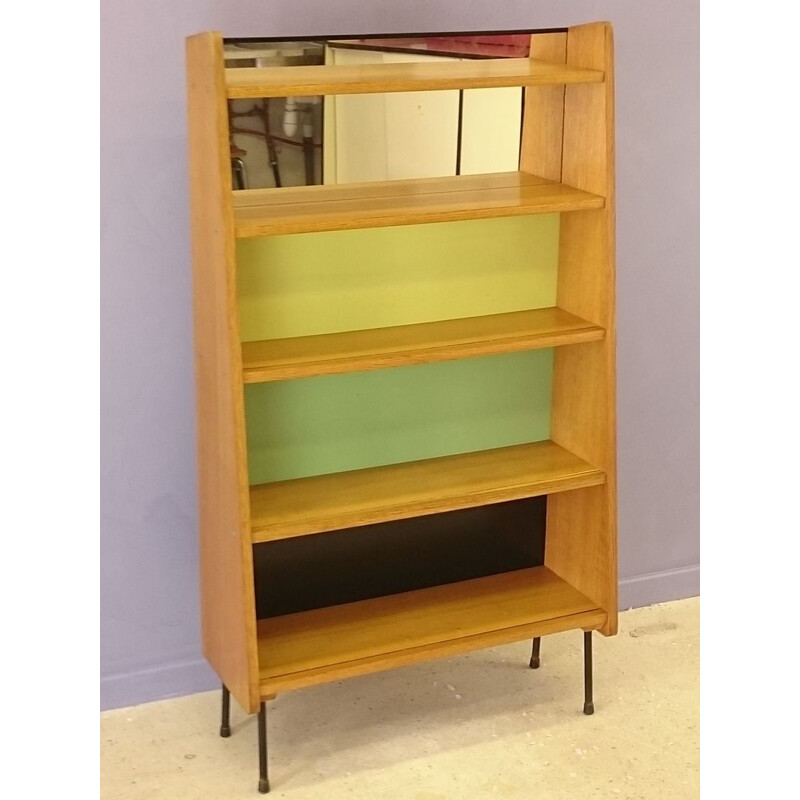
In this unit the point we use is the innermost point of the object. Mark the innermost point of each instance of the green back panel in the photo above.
(334, 423)
(325, 282)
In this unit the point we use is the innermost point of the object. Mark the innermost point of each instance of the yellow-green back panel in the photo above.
(326, 282)
(350, 280)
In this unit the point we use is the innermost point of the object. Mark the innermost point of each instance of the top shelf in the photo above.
(326, 79)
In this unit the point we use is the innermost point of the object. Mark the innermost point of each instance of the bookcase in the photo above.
(388, 473)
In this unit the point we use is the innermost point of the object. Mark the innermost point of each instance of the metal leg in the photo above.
(535, 662)
(588, 702)
(225, 727)
(263, 780)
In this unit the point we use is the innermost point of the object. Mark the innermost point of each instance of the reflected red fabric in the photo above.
(516, 45)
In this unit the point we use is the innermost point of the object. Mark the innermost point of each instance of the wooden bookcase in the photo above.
(566, 171)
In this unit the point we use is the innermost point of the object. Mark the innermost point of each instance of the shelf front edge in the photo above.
(328, 79)
(400, 491)
(314, 209)
(420, 343)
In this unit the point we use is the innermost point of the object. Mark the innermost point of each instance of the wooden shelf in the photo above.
(379, 494)
(332, 643)
(303, 81)
(328, 354)
(305, 209)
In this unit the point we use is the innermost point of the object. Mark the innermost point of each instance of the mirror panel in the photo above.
(374, 137)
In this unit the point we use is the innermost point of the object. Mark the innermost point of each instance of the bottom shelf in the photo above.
(343, 641)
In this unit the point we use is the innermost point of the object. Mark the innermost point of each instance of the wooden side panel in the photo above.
(543, 119)
(581, 529)
(226, 569)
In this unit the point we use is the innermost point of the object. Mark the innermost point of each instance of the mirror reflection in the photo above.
(297, 141)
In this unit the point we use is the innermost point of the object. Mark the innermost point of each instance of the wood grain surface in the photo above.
(226, 559)
(581, 530)
(356, 638)
(322, 79)
(379, 494)
(327, 354)
(306, 209)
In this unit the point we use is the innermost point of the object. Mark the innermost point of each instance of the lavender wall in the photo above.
(150, 627)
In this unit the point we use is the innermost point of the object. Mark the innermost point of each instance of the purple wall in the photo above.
(150, 626)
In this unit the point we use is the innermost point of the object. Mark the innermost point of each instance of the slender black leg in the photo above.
(588, 702)
(535, 662)
(263, 780)
(225, 727)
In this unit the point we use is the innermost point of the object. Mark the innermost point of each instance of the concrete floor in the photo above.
(476, 726)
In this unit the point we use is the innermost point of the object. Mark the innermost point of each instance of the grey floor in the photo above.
(476, 726)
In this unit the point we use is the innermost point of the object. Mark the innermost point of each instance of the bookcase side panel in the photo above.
(581, 527)
(226, 571)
